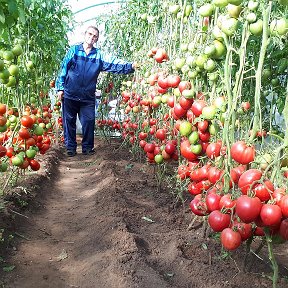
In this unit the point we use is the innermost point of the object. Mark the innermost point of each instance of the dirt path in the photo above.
(86, 227)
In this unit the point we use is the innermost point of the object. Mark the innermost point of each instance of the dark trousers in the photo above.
(86, 113)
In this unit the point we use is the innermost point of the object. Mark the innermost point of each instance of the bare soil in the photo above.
(100, 222)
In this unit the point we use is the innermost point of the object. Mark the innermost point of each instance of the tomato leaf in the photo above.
(8, 268)
(148, 219)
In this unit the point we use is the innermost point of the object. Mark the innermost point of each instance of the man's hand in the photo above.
(60, 95)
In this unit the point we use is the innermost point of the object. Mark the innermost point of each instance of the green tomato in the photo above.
(209, 112)
(8, 55)
(158, 158)
(193, 138)
(209, 65)
(31, 153)
(220, 49)
(253, 5)
(179, 63)
(200, 60)
(3, 167)
(192, 74)
(11, 82)
(174, 9)
(17, 160)
(251, 17)
(220, 3)
(234, 10)
(4, 74)
(188, 93)
(185, 128)
(13, 70)
(3, 128)
(188, 10)
(283, 2)
(38, 130)
(206, 10)
(235, 2)
(196, 148)
(279, 27)
(229, 26)
(176, 92)
(17, 50)
(256, 28)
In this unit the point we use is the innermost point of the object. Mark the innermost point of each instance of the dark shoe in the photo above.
(89, 152)
(71, 153)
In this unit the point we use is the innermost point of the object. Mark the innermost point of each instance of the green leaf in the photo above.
(148, 219)
(2, 16)
(12, 8)
(8, 268)
(22, 15)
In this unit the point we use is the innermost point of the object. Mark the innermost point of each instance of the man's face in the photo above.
(91, 36)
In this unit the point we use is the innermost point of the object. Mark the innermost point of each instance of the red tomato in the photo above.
(173, 80)
(271, 214)
(264, 191)
(214, 174)
(179, 111)
(170, 147)
(247, 179)
(278, 194)
(3, 151)
(204, 136)
(161, 134)
(213, 150)
(203, 125)
(185, 151)
(213, 201)
(24, 133)
(34, 164)
(149, 147)
(183, 85)
(198, 106)
(245, 229)
(219, 221)
(247, 208)
(185, 103)
(242, 153)
(230, 239)
(142, 135)
(183, 171)
(283, 204)
(27, 121)
(198, 206)
(170, 101)
(226, 202)
(163, 82)
(283, 231)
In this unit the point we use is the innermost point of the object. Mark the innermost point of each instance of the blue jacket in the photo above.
(79, 72)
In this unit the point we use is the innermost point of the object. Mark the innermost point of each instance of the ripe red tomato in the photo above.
(213, 150)
(245, 229)
(226, 202)
(203, 125)
(213, 201)
(230, 239)
(283, 231)
(271, 214)
(24, 133)
(183, 85)
(34, 164)
(219, 221)
(198, 106)
(283, 204)
(179, 111)
(248, 208)
(198, 206)
(149, 147)
(247, 180)
(185, 103)
(163, 82)
(264, 190)
(161, 134)
(242, 153)
(3, 151)
(185, 151)
(278, 194)
(3, 109)
(214, 174)
(170, 147)
(173, 80)
(27, 121)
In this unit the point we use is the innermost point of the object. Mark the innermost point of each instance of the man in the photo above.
(76, 87)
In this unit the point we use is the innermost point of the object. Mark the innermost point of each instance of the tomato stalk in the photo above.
(272, 259)
(257, 125)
